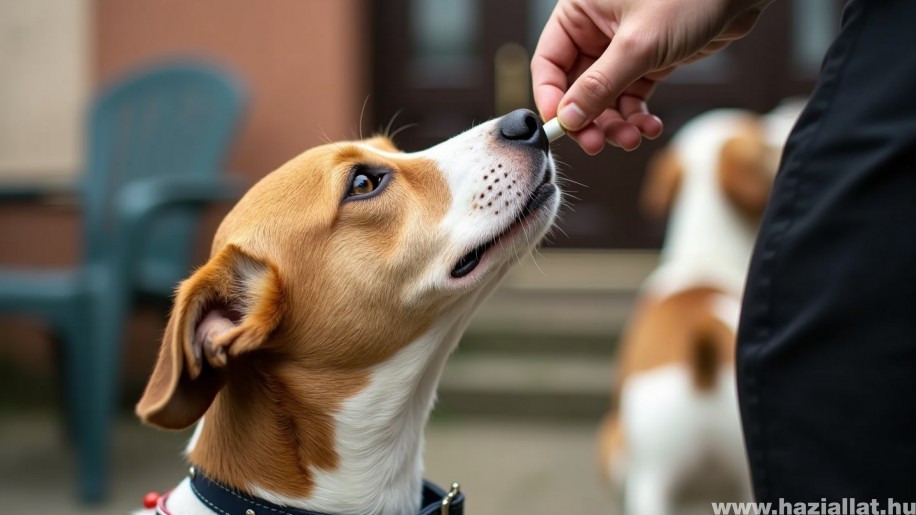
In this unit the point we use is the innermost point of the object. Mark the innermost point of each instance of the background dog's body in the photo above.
(314, 338)
(676, 417)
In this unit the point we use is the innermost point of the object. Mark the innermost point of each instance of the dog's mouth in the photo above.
(469, 261)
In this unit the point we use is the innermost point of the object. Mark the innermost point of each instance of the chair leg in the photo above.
(67, 395)
(91, 405)
(108, 320)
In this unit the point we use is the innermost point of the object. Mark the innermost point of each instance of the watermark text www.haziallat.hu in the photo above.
(849, 506)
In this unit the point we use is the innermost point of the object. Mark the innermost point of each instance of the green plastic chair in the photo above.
(157, 140)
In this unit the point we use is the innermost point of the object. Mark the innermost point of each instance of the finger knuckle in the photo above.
(635, 46)
(629, 42)
(597, 84)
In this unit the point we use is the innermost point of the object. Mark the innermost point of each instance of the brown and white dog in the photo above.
(676, 410)
(308, 348)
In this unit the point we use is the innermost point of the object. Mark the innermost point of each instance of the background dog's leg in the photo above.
(648, 492)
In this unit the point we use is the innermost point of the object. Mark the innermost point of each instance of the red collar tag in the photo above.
(154, 500)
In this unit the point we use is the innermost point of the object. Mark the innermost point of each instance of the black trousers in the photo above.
(827, 339)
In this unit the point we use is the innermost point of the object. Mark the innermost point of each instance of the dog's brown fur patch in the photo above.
(670, 330)
(744, 170)
(661, 183)
(610, 441)
(680, 328)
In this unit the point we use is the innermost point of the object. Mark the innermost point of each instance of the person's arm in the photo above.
(598, 61)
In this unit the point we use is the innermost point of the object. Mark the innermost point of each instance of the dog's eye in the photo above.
(366, 181)
(363, 185)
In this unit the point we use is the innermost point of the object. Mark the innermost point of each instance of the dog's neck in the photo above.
(375, 460)
(708, 241)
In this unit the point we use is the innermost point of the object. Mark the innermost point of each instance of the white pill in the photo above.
(554, 130)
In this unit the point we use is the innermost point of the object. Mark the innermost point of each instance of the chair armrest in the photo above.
(139, 202)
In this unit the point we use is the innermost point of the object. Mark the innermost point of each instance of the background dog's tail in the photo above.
(712, 346)
(611, 456)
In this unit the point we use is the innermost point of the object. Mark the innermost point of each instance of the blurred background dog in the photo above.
(675, 422)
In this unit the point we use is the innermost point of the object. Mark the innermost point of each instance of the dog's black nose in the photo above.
(523, 126)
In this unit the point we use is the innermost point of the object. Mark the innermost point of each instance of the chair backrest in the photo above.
(170, 119)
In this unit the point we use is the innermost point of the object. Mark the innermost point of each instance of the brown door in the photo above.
(444, 65)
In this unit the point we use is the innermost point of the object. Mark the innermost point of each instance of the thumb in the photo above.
(624, 61)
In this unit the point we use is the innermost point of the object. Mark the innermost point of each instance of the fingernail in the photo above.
(571, 117)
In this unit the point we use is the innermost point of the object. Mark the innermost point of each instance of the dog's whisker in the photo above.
(323, 135)
(571, 196)
(362, 113)
(402, 128)
(534, 255)
(557, 227)
(566, 180)
(391, 124)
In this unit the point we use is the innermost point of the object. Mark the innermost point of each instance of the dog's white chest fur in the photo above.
(381, 431)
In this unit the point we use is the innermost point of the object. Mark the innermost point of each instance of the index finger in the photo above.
(555, 55)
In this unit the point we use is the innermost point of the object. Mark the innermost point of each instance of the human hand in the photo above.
(598, 61)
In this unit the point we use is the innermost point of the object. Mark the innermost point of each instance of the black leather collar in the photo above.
(228, 501)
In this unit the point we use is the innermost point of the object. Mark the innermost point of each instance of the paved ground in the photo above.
(503, 467)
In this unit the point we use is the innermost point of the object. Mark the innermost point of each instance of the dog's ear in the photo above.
(663, 177)
(226, 309)
(744, 172)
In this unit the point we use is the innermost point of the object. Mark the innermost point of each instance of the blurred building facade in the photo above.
(318, 70)
(303, 63)
(304, 66)
(446, 64)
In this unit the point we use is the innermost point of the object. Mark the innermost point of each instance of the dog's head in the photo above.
(348, 252)
(735, 152)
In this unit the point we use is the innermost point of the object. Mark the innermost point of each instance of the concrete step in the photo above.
(582, 270)
(540, 314)
(517, 343)
(562, 296)
(540, 386)
(543, 345)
